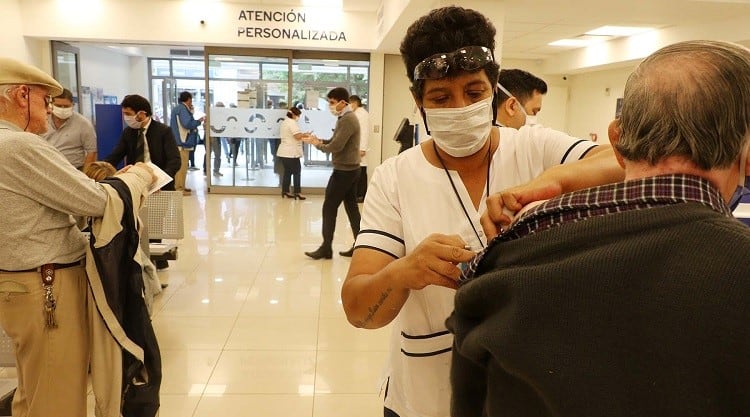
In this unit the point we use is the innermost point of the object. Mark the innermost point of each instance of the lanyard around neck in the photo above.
(455, 190)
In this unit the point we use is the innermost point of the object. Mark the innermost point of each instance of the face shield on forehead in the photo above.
(468, 58)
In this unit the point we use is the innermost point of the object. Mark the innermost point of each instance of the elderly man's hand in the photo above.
(501, 207)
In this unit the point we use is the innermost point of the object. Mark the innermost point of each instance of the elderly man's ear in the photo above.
(613, 132)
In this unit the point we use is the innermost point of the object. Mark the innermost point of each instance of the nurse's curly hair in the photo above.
(445, 30)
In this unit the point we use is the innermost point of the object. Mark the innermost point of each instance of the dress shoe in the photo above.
(300, 197)
(347, 253)
(287, 195)
(321, 253)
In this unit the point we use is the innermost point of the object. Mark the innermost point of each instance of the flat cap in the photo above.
(16, 72)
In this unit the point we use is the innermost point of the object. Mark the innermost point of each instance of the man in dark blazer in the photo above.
(159, 147)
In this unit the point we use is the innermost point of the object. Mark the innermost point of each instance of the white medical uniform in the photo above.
(408, 200)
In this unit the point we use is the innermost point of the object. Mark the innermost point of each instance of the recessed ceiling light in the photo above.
(617, 31)
(577, 43)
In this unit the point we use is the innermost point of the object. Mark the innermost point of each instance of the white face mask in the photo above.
(62, 112)
(131, 122)
(460, 131)
(530, 120)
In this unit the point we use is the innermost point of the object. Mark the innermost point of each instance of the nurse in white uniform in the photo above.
(421, 220)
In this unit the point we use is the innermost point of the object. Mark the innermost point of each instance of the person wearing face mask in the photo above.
(519, 98)
(146, 140)
(289, 154)
(342, 186)
(70, 132)
(421, 218)
(159, 145)
(46, 302)
(626, 299)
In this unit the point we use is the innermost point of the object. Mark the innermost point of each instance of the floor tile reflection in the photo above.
(248, 325)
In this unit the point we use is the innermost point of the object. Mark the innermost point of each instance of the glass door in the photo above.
(250, 92)
(66, 70)
(249, 96)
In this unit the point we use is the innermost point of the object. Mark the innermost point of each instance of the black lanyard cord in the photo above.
(455, 190)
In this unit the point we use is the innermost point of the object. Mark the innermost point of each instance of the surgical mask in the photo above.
(132, 122)
(62, 112)
(530, 120)
(460, 131)
(332, 109)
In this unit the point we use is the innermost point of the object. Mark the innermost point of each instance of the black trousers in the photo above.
(234, 148)
(292, 167)
(362, 184)
(342, 187)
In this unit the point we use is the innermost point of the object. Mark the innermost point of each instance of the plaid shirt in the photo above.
(619, 197)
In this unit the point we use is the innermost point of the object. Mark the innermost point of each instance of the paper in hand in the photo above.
(162, 178)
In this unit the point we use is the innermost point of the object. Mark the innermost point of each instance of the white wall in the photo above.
(178, 22)
(14, 44)
(590, 106)
(397, 102)
(375, 108)
(106, 70)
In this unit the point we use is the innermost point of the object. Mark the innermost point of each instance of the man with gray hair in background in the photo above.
(628, 299)
(43, 282)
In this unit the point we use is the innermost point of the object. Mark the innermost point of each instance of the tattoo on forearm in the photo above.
(374, 308)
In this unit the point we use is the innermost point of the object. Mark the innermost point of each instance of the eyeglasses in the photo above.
(468, 58)
(47, 99)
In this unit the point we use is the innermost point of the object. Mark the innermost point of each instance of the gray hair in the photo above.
(689, 99)
(5, 90)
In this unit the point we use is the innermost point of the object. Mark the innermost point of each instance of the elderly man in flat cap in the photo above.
(43, 282)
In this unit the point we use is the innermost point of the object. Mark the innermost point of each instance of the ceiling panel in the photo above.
(525, 21)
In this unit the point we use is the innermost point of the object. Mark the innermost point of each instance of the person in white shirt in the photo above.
(364, 135)
(421, 218)
(290, 152)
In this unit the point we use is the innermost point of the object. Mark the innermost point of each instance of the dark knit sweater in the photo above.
(641, 313)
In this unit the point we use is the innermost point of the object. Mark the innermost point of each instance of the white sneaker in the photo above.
(218, 174)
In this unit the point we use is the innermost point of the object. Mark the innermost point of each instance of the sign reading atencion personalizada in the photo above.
(287, 24)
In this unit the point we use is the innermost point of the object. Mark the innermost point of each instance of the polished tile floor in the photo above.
(249, 326)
